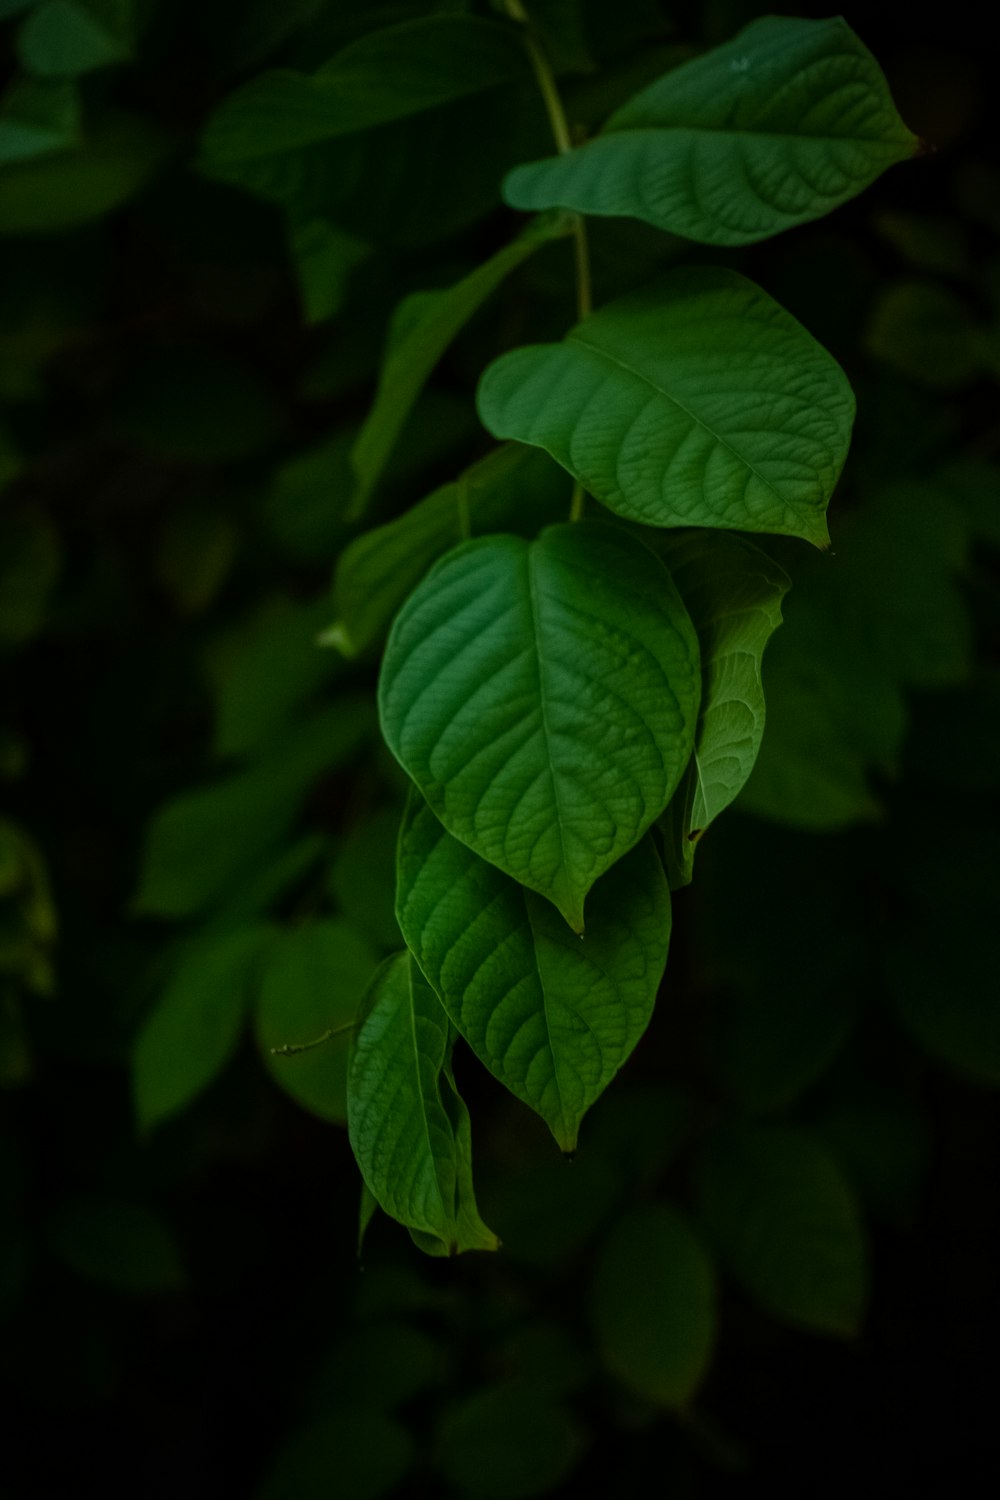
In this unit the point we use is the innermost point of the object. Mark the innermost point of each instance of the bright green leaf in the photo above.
(695, 402)
(195, 1026)
(784, 1220)
(733, 594)
(408, 1126)
(425, 325)
(312, 982)
(543, 696)
(552, 1016)
(652, 1304)
(780, 125)
(511, 487)
(64, 38)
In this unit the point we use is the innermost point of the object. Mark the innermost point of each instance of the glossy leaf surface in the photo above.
(543, 696)
(553, 1016)
(695, 402)
(408, 1125)
(778, 126)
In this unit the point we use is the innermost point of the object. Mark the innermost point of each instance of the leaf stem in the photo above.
(289, 1049)
(561, 136)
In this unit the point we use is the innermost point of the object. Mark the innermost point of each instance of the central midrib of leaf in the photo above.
(543, 709)
(545, 1015)
(425, 1112)
(669, 396)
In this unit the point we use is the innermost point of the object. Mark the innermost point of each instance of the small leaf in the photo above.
(733, 593)
(408, 1126)
(324, 258)
(780, 125)
(543, 696)
(511, 486)
(432, 321)
(785, 1222)
(195, 1026)
(926, 332)
(551, 1016)
(312, 983)
(506, 1442)
(652, 1304)
(121, 1245)
(695, 402)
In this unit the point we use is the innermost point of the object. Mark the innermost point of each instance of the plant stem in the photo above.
(564, 143)
(289, 1049)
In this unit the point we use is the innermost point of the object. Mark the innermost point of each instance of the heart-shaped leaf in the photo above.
(778, 126)
(695, 402)
(552, 1016)
(543, 696)
(408, 1125)
(733, 592)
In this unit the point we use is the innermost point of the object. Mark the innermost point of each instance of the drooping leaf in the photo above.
(543, 696)
(426, 323)
(312, 982)
(733, 593)
(780, 125)
(785, 1222)
(695, 402)
(652, 1304)
(408, 1126)
(552, 1016)
(192, 1031)
(511, 487)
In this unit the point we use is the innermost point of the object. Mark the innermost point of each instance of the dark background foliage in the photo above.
(182, 370)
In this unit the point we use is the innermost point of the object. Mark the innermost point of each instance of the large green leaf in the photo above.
(786, 1223)
(652, 1303)
(733, 593)
(779, 126)
(424, 325)
(511, 487)
(695, 402)
(195, 1026)
(408, 1125)
(551, 1015)
(544, 696)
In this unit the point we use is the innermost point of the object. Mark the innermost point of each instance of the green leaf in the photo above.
(195, 1026)
(785, 1222)
(506, 1442)
(548, 1207)
(205, 841)
(425, 324)
(543, 696)
(66, 188)
(121, 1245)
(652, 1304)
(780, 125)
(391, 74)
(733, 594)
(408, 1126)
(511, 487)
(36, 118)
(359, 1451)
(313, 982)
(695, 402)
(551, 1016)
(64, 38)
(324, 258)
(926, 332)
(363, 876)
